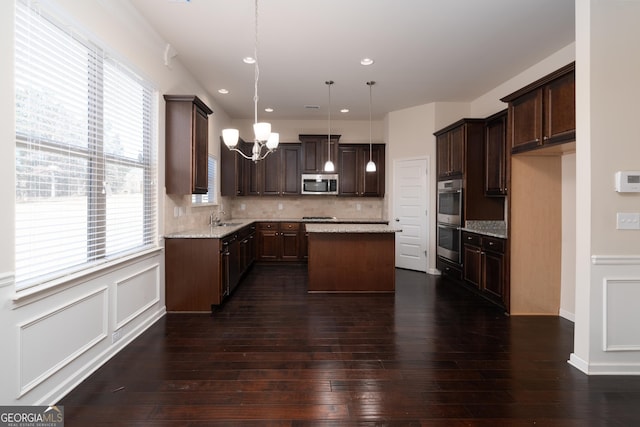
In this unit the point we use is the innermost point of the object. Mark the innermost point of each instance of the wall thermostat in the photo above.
(628, 181)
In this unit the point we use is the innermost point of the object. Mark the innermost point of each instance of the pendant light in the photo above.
(371, 167)
(265, 142)
(329, 166)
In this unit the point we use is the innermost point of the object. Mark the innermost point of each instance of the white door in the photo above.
(410, 196)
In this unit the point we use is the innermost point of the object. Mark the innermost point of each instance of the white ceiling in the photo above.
(424, 50)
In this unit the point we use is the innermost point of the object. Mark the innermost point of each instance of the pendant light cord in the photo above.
(329, 83)
(370, 83)
(256, 67)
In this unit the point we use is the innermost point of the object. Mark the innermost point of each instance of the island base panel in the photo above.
(351, 262)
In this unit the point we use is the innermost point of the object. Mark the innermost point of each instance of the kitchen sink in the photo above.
(229, 224)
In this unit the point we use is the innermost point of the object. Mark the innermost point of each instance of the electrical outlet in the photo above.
(243, 206)
(280, 207)
(116, 336)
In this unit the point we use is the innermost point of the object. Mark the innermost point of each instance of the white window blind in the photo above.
(211, 197)
(86, 187)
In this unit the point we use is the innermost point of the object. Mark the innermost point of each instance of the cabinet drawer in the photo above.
(289, 226)
(493, 244)
(267, 226)
(471, 239)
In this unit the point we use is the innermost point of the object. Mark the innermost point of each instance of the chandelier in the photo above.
(265, 142)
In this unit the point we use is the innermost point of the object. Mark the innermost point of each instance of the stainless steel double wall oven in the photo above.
(449, 219)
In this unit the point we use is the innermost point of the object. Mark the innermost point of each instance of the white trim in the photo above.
(7, 279)
(25, 388)
(615, 259)
(567, 315)
(97, 362)
(606, 287)
(578, 363)
(134, 315)
(43, 290)
(434, 271)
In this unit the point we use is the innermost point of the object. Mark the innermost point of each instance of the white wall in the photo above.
(607, 334)
(53, 339)
(568, 267)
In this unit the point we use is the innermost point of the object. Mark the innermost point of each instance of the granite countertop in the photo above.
(487, 228)
(352, 228)
(233, 225)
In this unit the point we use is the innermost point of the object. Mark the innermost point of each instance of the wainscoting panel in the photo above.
(56, 338)
(136, 293)
(618, 314)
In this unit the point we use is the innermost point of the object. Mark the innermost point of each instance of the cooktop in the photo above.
(318, 217)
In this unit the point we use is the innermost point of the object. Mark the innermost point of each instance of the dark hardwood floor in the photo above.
(430, 355)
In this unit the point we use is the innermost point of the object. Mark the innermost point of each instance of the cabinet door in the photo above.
(560, 109)
(271, 174)
(442, 147)
(268, 244)
(289, 242)
(373, 182)
(290, 167)
(231, 172)
(253, 178)
(304, 244)
(495, 160)
(235, 263)
(456, 151)
(494, 274)
(199, 155)
(348, 170)
(525, 116)
(472, 265)
(315, 152)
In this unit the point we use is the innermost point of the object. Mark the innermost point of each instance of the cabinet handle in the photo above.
(490, 243)
(469, 238)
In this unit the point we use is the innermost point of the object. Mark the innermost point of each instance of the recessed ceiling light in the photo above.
(249, 60)
(344, 110)
(366, 61)
(269, 110)
(223, 91)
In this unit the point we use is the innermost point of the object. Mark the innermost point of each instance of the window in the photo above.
(210, 198)
(86, 187)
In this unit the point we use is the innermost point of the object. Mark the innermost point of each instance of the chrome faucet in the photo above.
(216, 219)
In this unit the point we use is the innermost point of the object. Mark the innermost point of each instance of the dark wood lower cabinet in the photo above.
(200, 273)
(280, 241)
(485, 266)
(449, 269)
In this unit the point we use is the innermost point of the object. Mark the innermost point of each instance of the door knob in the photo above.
(397, 219)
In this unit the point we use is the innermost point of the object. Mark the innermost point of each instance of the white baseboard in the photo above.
(568, 315)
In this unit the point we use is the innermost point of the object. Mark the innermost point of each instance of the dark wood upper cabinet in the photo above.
(495, 145)
(186, 143)
(232, 175)
(354, 180)
(543, 113)
(460, 146)
(450, 148)
(315, 152)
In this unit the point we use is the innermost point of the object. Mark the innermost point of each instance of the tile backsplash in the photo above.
(297, 207)
(180, 215)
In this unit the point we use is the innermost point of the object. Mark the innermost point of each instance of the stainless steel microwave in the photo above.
(319, 184)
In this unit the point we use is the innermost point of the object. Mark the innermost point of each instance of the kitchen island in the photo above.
(351, 257)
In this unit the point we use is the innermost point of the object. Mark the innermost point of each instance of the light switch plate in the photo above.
(628, 221)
